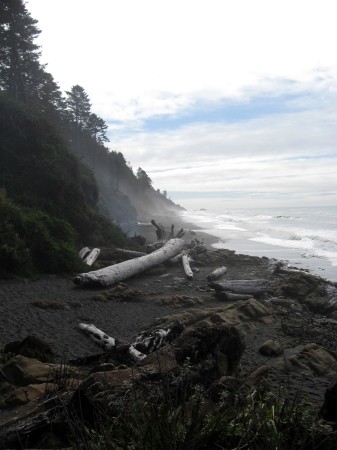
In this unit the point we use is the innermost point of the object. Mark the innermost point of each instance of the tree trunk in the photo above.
(251, 287)
(126, 269)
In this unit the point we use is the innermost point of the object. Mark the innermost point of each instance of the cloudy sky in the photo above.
(223, 103)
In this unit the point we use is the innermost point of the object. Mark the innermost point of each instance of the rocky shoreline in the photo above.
(287, 332)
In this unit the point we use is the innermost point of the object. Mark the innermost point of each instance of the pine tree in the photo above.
(19, 56)
(143, 178)
(78, 107)
(97, 128)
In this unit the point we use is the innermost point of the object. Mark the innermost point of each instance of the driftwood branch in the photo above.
(180, 233)
(160, 230)
(126, 269)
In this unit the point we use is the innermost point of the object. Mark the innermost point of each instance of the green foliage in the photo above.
(259, 420)
(33, 241)
(143, 178)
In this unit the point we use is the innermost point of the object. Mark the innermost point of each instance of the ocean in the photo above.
(306, 238)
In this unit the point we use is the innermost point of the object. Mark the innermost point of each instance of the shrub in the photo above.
(33, 241)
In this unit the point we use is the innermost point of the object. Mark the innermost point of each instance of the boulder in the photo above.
(329, 409)
(271, 348)
(310, 358)
(32, 347)
(22, 371)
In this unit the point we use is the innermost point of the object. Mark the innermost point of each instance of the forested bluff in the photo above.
(61, 187)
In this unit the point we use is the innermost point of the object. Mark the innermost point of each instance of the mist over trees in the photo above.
(90, 190)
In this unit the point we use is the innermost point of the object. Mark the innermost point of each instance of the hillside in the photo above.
(48, 198)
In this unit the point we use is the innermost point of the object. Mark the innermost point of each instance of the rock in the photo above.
(258, 376)
(209, 352)
(31, 392)
(32, 347)
(226, 384)
(301, 285)
(22, 371)
(38, 425)
(52, 304)
(310, 358)
(271, 348)
(329, 409)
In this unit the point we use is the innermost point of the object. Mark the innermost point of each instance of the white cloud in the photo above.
(137, 59)
(143, 60)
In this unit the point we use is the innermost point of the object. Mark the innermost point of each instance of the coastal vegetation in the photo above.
(55, 171)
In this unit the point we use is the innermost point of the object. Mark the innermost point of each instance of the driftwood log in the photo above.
(142, 344)
(186, 266)
(249, 287)
(84, 252)
(106, 342)
(126, 269)
(91, 258)
(218, 272)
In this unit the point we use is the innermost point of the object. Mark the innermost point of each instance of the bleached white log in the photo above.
(91, 258)
(135, 354)
(84, 252)
(98, 336)
(216, 273)
(126, 269)
(106, 342)
(186, 266)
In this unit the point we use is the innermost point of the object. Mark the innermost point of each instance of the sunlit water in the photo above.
(304, 237)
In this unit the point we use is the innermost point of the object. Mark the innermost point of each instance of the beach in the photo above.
(51, 307)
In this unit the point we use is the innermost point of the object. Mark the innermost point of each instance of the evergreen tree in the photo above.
(19, 56)
(143, 178)
(78, 106)
(97, 128)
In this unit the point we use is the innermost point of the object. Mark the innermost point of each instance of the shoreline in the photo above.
(294, 257)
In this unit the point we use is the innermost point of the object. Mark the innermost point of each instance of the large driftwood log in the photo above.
(252, 287)
(126, 269)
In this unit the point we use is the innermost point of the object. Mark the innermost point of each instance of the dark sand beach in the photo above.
(122, 317)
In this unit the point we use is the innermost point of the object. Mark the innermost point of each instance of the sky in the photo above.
(224, 103)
